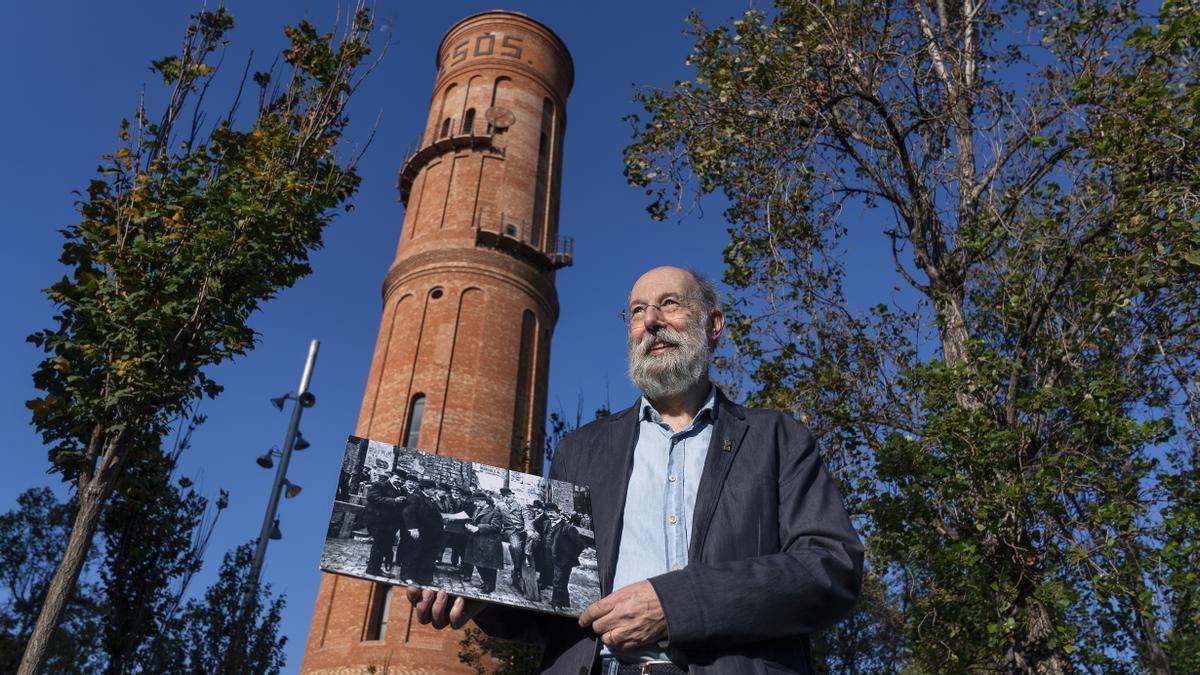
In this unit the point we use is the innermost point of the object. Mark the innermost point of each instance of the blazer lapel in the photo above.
(612, 476)
(727, 438)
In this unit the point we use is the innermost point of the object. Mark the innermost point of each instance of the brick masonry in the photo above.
(469, 304)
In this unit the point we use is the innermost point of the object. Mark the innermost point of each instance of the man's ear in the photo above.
(716, 325)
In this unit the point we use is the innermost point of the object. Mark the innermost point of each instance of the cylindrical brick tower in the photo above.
(462, 359)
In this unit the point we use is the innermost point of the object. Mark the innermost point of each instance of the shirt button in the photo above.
(672, 519)
(671, 478)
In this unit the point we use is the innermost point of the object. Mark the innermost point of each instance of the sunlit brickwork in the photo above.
(469, 304)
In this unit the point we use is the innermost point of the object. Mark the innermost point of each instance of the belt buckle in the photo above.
(647, 665)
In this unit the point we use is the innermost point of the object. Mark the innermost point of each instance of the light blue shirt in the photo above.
(657, 525)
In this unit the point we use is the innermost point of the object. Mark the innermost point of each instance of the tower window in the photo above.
(445, 129)
(541, 188)
(415, 412)
(469, 121)
(436, 293)
(377, 619)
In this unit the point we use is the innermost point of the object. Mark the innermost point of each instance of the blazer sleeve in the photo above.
(810, 583)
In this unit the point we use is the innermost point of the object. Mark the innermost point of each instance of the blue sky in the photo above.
(74, 69)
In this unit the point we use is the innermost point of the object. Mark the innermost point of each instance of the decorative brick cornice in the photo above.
(468, 262)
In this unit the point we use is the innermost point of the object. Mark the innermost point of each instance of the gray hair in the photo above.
(706, 298)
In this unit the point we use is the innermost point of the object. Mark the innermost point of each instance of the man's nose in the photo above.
(652, 318)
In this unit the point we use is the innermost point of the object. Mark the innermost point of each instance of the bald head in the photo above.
(669, 281)
(674, 324)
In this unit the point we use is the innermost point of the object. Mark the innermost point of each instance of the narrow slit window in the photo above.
(468, 121)
(377, 620)
(415, 412)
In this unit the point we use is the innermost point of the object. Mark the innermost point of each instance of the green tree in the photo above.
(154, 532)
(181, 237)
(220, 634)
(1019, 439)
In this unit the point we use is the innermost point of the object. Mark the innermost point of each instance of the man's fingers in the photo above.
(413, 593)
(595, 611)
(607, 623)
(441, 610)
(464, 610)
(423, 602)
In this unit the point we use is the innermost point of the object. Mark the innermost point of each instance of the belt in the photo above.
(611, 666)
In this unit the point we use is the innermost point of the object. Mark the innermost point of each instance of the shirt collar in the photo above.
(646, 410)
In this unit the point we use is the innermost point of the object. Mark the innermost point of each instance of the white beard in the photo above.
(676, 371)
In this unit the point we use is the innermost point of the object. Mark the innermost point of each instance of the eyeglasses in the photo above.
(670, 308)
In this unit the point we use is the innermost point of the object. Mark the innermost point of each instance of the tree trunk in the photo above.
(1155, 655)
(952, 328)
(1031, 654)
(92, 496)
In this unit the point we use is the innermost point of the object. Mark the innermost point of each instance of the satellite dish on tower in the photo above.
(499, 118)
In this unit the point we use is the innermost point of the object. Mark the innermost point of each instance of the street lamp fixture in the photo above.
(267, 461)
(306, 399)
(290, 489)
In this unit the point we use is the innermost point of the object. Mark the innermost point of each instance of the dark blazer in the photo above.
(564, 543)
(383, 507)
(421, 513)
(773, 555)
(483, 547)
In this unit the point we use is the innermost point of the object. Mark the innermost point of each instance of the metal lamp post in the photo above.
(303, 399)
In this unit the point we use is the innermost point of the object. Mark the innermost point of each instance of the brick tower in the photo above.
(469, 305)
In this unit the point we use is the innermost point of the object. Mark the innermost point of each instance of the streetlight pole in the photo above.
(285, 454)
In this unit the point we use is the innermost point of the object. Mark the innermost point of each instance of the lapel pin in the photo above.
(727, 446)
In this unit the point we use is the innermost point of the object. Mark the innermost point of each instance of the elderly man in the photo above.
(721, 539)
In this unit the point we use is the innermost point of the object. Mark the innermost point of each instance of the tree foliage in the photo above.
(1016, 428)
(485, 654)
(129, 614)
(186, 230)
(220, 634)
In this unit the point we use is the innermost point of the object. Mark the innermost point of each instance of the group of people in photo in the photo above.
(417, 524)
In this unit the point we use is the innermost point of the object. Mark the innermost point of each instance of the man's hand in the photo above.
(627, 619)
(414, 533)
(442, 609)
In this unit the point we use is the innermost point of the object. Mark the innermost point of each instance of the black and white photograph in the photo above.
(411, 518)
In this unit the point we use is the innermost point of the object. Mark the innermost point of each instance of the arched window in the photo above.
(541, 186)
(496, 97)
(415, 412)
(468, 121)
(523, 400)
(445, 129)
